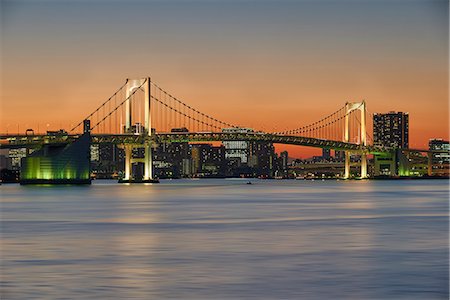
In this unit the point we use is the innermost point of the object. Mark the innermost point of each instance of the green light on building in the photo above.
(68, 163)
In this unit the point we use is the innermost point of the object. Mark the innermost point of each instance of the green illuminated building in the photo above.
(59, 164)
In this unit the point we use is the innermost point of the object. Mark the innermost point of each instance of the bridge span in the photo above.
(36, 141)
(140, 114)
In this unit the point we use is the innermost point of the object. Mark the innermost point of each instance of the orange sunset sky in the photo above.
(270, 65)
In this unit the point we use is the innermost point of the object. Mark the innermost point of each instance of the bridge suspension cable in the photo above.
(101, 106)
(130, 97)
(315, 125)
(178, 111)
(190, 109)
(168, 112)
(330, 127)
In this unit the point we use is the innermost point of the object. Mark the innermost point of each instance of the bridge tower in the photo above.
(132, 85)
(349, 107)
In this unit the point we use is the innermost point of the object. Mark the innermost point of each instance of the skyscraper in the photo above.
(263, 158)
(208, 160)
(237, 149)
(391, 129)
(284, 161)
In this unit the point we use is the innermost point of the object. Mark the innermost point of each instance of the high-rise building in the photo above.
(237, 149)
(391, 129)
(284, 159)
(171, 159)
(95, 152)
(284, 162)
(208, 160)
(263, 158)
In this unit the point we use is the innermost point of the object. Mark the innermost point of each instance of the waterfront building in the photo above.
(169, 160)
(56, 163)
(284, 157)
(440, 145)
(16, 156)
(391, 129)
(237, 149)
(263, 159)
(196, 159)
(186, 170)
(440, 158)
(107, 160)
(95, 153)
(173, 160)
(208, 160)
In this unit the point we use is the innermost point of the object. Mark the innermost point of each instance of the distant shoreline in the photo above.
(58, 182)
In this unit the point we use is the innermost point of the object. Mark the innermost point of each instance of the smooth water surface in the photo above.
(225, 239)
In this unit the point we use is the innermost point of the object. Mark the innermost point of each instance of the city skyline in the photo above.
(270, 66)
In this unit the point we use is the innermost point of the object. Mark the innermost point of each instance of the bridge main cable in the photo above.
(313, 126)
(101, 106)
(184, 114)
(190, 108)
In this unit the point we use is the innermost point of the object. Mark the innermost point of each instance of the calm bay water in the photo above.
(224, 239)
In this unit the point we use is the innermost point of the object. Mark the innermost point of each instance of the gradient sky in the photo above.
(271, 65)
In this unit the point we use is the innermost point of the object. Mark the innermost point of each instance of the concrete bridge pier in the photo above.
(347, 165)
(147, 161)
(128, 152)
(363, 165)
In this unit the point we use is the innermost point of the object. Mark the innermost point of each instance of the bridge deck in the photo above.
(18, 141)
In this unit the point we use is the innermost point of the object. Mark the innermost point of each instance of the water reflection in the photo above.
(223, 239)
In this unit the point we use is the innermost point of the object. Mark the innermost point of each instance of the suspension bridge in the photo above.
(140, 114)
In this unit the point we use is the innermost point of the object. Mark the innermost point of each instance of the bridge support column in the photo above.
(148, 163)
(349, 107)
(128, 153)
(347, 165)
(363, 165)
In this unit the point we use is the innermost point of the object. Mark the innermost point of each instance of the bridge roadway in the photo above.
(33, 141)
